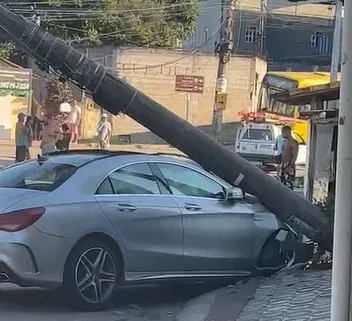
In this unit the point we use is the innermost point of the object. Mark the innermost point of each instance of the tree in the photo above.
(151, 23)
(58, 91)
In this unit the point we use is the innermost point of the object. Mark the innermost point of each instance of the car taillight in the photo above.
(19, 220)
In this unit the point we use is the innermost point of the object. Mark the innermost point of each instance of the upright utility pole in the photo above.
(336, 49)
(262, 25)
(341, 267)
(224, 50)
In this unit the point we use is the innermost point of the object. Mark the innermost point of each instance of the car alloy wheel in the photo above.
(95, 275)
(92, 272)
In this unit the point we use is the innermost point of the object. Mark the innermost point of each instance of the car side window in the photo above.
(132, 179)
(184, 181)
(246, 134)
(105, 188)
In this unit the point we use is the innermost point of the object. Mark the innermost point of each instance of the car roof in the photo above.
(81, 157)
(259, 126)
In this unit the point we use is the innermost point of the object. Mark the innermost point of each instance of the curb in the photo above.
(223, 304)
(197, 309)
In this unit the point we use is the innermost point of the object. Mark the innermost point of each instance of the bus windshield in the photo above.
(280, 82)
(269, 104)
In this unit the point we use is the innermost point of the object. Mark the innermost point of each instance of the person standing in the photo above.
(29, 136)
(51, 134)
(20, 138)
(37, 114)
(289, 154)
(74, 119)
(64, 143)
(104, 132)
(280, 140)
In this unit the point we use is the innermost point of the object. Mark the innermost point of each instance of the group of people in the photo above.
(54, 134)
(287, 148)
(24, 135)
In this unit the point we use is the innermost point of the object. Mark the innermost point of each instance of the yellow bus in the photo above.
(275, 82)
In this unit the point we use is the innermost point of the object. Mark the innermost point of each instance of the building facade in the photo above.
(297, 36)
(154, 73)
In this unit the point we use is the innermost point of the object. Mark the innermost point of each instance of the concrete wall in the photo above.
(11, 106)
(323, 159)
(153, 72)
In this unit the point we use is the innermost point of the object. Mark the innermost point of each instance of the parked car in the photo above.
(89, 221)
(256, 142)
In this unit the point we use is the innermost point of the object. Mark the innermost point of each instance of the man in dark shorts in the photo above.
(289, 154)
(280, 140)
(20, 138)
(64, 143)
(29, 135)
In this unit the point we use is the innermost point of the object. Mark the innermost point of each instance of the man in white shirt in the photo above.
(74, 119)
(104, 132)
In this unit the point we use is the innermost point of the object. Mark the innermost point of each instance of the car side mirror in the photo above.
(234, 194)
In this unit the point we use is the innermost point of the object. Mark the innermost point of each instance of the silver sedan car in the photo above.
(89, 221)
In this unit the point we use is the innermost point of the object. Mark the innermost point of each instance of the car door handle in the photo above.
(192, 207)
(126, 207)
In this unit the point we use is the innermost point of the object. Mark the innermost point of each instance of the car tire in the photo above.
(272, 255)
(91, 274)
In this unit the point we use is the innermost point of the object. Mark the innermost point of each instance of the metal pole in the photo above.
(262, 25)
(225, 49)
(336, 49)
(341, 269)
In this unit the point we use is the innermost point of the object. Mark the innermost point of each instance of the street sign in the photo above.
(189, 84)
(221, 100)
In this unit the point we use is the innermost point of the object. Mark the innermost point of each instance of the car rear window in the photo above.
(258, 134)
(34, 175)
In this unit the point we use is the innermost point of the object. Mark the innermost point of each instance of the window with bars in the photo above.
(251, 34)
(320, 41)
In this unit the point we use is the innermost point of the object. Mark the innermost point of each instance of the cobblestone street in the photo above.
(295, 296)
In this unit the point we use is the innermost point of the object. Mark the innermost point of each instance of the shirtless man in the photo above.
(289, 154)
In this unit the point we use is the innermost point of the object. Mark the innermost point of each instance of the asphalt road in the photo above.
(143, 303)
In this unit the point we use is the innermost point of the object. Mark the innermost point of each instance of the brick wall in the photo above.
(153, 72)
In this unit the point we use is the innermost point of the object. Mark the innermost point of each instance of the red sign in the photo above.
(189, 84)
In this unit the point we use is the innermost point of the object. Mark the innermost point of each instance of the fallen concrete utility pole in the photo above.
(114, 95)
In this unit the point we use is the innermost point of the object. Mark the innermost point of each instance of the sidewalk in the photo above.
(294, 295)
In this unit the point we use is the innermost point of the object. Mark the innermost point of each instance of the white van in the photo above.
(256, 142)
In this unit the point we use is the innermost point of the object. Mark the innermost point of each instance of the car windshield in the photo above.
(258, 134)
(34, 175)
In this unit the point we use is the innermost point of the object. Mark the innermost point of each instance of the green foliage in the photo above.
(58, 91)
(6, 50)
(151, 23)
(9, 52)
